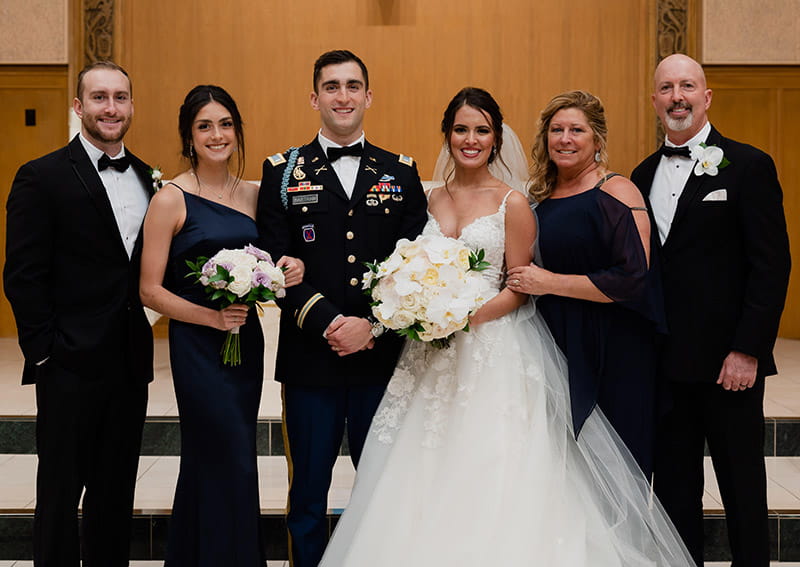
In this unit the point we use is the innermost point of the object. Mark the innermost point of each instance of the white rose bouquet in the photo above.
(427, 288)
(246, 276)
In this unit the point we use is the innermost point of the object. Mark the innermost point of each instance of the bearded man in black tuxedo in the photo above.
(71, 275)
(724, 251)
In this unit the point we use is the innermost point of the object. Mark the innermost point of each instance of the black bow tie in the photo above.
(336, 153)
(120, 164)
(670, 151)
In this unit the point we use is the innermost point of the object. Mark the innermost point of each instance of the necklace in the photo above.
(220, 194)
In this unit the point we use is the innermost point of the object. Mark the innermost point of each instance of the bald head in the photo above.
(681, 64)
(681, 97)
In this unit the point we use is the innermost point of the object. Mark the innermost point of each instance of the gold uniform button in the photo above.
(386, 210)
(353, 282)
(350, 213)
(350, 235)
(304, 209)
(351, 259)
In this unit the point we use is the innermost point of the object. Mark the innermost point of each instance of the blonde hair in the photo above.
(543, 171)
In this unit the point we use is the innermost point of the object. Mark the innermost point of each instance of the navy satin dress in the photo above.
(611, 348)
(215, 515)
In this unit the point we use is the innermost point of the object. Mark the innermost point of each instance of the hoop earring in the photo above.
(597, 156)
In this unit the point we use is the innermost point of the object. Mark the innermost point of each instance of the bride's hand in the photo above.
(530, 279)
(231, 317)
(294, 270)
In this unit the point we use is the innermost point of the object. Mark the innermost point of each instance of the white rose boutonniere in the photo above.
(156, 175)
(710, 159)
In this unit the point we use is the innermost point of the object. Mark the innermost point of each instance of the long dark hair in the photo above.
(195, 100)
(480, 100)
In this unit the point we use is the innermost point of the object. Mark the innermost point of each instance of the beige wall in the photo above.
(33, 31)
(760, 32)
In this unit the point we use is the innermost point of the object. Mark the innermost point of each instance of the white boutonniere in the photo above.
(710, 159)
(156, 175)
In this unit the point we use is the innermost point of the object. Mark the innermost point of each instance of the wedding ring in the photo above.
(515, 282)
(335, 349)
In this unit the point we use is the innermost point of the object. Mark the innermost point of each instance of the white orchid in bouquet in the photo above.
(427, 288)
(247, 276)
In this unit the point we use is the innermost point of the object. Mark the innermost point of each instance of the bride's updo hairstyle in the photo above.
(482, 101)
(544, 172)
(195, 100)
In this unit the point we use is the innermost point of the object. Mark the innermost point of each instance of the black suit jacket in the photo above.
(72, 287)
(334, 236)
(725, 264)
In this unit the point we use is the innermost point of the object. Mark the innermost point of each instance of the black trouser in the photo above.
(733, 424)
(88, 437)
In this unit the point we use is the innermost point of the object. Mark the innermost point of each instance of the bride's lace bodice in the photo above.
(488, 233)
(433, 373)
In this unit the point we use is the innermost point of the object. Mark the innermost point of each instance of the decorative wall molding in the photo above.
(98, 17)
(672, 27)
(672, 36)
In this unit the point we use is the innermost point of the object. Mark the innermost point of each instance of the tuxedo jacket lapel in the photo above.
(90, 180)
(369, 170)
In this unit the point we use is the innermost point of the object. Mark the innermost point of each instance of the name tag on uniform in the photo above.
(305, 199)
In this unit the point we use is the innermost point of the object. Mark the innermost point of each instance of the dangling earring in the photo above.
(494, 151)
(191, 150)
(597, 156)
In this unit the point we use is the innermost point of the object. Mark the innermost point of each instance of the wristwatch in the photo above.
(377, 327)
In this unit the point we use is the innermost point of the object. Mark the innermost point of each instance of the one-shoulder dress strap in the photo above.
(609, 176)
(176, 185)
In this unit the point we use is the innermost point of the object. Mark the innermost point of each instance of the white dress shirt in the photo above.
(125, 192)
(669, 180)
(346, 167)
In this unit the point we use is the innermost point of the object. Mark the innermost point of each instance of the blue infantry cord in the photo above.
(293, 153)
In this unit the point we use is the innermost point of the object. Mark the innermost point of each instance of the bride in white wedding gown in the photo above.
(471, 459)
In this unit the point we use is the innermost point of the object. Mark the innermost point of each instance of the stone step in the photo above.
(157, 477)
(162, 436)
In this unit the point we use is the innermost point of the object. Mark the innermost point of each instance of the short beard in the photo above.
(679, 125)
(94, 132)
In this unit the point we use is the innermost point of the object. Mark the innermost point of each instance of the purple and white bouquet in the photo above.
(427, 288)
(246, 276)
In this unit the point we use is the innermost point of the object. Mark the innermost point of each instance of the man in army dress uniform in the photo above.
(335, 203)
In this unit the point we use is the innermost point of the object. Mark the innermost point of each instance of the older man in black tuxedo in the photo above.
(717, 205)
(71, 276)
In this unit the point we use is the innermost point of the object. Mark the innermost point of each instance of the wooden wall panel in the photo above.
(419, 54)
(761, 106)
(43, 89)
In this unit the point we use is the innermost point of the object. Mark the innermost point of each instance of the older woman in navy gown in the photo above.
(598, 294)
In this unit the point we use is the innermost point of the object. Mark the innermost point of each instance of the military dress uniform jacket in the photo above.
(334, 235)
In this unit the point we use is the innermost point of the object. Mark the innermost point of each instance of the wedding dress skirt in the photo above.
(471, 460)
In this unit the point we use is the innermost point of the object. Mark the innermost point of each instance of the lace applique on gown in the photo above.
(471, 460)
